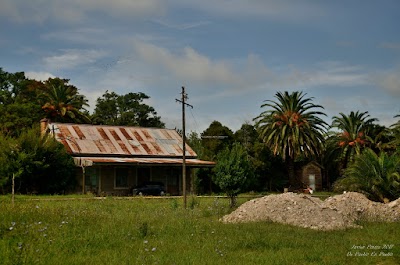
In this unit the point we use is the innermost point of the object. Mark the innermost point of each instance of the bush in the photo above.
(232, 171)
(378, 177)
(40, 164)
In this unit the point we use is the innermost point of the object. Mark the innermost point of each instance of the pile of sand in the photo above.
(337, 212)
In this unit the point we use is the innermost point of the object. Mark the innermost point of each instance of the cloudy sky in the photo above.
(231, 55)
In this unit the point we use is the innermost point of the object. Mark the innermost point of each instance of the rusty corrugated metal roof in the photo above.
(122, 141)
(140, 161)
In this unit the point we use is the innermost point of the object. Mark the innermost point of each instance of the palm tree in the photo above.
(377, 176)
(62, 102)
(291, 127)
(395, 129)
(353, 135)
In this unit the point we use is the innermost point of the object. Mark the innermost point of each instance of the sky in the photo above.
(230, 55)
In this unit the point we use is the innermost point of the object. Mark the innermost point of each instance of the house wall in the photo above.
(312, 169)
(101, 180)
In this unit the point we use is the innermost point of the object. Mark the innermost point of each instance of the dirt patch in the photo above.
(337, 212)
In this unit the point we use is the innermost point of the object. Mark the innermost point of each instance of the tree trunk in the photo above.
(291, 172)
(232, 199)
(13, 190)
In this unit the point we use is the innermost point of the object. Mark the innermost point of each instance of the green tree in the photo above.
(268, 169)
(353, 135)
(19, 107)
(126, 110)
(377, 176)
(201, 176)
(215, 139)
(232, 171)
(62, 101)
(291, 127)
(9, 161)
(39, 164)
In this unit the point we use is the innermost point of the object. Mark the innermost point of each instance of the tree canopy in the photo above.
(291, 127)
(62, 101)
(232, 171)
(353, 136)
(39, 163)
(19, 107)
(125, 110)
(377, 176)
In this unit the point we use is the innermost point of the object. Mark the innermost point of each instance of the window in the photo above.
(121, 178)
(91, 177)
(143, 175)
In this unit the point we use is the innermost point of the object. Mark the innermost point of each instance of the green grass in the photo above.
(85, 230)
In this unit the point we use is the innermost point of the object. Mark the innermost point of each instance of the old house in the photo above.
(113, 159)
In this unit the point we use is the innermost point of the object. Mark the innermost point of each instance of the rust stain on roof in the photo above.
(78, 132)
(146, 134)
(115, 135)
(102, 133)
(137, 136)
(125, 133)
(148, 150)
(100, 146)
(65, 143)
(100, 140)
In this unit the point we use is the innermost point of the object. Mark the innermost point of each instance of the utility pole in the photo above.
(184, 104)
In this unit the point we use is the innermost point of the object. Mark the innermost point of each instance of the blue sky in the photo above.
(231, 55)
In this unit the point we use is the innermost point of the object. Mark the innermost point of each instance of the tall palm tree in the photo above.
(291, 126)
(353, 136)
(62, 102)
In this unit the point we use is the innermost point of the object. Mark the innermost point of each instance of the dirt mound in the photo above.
(338, 212)
(355, 206)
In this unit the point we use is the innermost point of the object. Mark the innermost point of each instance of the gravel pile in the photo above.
(337, 212)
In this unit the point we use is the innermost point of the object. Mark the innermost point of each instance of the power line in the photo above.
(196, 125)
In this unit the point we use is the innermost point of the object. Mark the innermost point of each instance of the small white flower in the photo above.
(37, 206)
(153, 249)
(11, 228)
(145, 241)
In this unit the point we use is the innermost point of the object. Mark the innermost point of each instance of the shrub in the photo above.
(377, 176)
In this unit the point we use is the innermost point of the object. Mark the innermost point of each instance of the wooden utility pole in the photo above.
(184, 104)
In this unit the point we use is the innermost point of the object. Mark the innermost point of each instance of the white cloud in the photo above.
(266, 9)
(390, 45)
(72, 58)
(243, 75)
(182, 26)
(40, 76)
(328, 74)
(389, 81)
(81, 35)
(73, 11)
(188, 65)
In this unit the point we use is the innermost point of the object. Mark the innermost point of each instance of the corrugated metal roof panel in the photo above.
(164, 161)
(103, 140)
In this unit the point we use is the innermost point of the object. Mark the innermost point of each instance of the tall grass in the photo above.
(159, 231)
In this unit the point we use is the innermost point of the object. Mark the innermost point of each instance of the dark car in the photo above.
(149, 188)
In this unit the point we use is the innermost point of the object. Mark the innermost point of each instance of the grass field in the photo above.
(56, 230)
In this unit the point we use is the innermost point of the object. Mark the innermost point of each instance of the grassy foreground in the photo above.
(159, 231)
